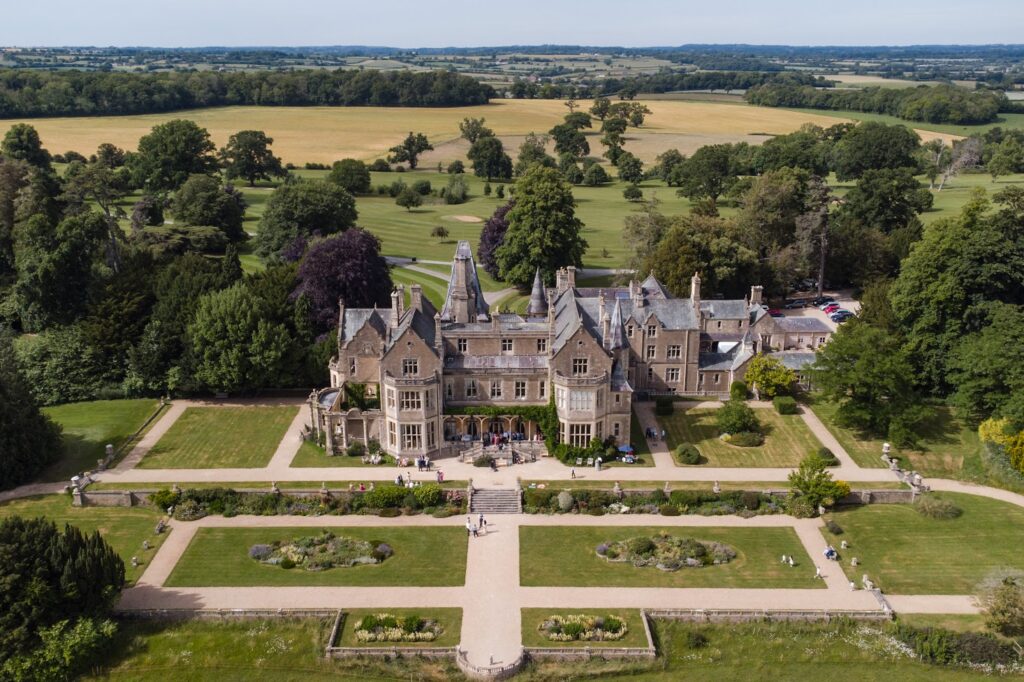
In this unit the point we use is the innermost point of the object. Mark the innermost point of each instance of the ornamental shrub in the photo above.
(428, 495)
(356, 449)
(785, 404)
(833, 527)
(565, 501)
(483, 461)
(746, 439)
(828, 456)
(934, 508)
(384, 496)
(162, 499)
(737, 417)
(668, 510)
(738, 390)
(687, 453)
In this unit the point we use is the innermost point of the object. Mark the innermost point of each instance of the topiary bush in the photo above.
(833, 527)
(687, 453)
(385, 496)
(356, 449)
(565, 501)
(428, 495)
(738, 390)
(785, 404)
(935, 508)
(736, 417)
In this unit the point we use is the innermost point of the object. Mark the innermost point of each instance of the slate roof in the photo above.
(355, 318)
(464, 251)
(732, 359)
(725, 310)
(794, 359)
(802, 324)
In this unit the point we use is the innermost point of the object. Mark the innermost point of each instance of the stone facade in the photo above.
(398, 371)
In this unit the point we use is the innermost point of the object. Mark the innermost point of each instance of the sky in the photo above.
(442, 23)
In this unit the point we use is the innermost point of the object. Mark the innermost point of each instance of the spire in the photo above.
(616, 338)
(538, 300)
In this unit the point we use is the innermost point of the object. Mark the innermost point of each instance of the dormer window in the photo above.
(652, 330)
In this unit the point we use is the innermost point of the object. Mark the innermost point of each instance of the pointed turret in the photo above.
(538, 299)
(616, 335)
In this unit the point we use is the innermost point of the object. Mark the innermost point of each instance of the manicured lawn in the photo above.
(215, 437)
(125, 528)
(218, 557)
(312, 455)
(532, 636)
(244, 650)
(837, 652)
(787, 440)
(947, 447)
(562, 555)
(449, 619)
(907, 553)
(433, 288)
(88, 428)
(637, 438)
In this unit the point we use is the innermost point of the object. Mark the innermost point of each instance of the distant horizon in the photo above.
(509, 46)
(189, 24)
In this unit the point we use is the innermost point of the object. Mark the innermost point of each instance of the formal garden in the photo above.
(220, 557)
(545, 551)
(221, 437)
(583, 627)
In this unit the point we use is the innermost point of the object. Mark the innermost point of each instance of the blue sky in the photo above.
(426, 23)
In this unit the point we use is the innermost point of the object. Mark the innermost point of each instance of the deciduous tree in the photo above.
(304, 209)
(247, 155)
(410, 149)
(172, 152)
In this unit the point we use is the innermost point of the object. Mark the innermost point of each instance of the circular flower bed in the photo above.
(321, 552)
(583, 628)
(387, 627)
(666, 552)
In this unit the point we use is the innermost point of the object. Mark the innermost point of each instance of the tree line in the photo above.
(93, 93)
(666, 80)
(930, 104)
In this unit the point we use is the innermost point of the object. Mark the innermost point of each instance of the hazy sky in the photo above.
(426, 23)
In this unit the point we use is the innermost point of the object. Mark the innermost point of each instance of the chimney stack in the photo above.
(416, 302)
(341, 324)
(756, 294)
(397, 302)
(695, 291)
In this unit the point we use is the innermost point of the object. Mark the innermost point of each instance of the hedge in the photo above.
(785, 404)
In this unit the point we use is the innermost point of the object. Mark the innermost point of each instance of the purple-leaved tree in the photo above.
(491, 237)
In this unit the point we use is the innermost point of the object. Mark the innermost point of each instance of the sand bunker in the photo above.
(464, 218)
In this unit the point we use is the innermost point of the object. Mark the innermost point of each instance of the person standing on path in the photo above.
(817, 572)
(572, 472)
(483, 521)
(469, 525)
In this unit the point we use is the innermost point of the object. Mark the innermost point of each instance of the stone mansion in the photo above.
(406, 376)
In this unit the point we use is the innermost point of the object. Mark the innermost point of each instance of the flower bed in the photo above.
(387, 627)
(321, 552)
(583, 628)
(666, 552)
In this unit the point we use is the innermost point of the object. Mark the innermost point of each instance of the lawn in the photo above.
(218, 557)
(434, 289)
(242, 650)
(637, 438)
(837, 652)
(565, 556)
(88, 428)
(252, 485)
(312, 455)
(449, 619)
(787, 440)
(125, 528)
(216, 437)
(947, 444)
(907, 553)
(533, 637)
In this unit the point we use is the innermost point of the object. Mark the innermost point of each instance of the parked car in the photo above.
(841, 316)
(827, 304)
(795, 303)
(822, 300)
(831, 308)
(775, 312)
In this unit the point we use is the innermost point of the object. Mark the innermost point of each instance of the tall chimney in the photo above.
(756, 294)
(416, 302)
(341, 325)
(397, 302)
(695, 291)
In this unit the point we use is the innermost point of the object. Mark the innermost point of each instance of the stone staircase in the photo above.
(496, 501)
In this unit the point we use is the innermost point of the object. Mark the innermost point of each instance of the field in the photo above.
(218, 557)
(123, 527)
(326, 134)
(546, 551)
(88, 428)
(907, 553)
(787, 439)
(947, 448)
(532, 636)
(216, 437)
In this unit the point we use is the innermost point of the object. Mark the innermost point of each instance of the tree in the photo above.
(874, 145)
(665, 165)
(887, 198)
(51, 575)
(29, 441)
(440, 232)
(614, 137)
(735, 416)
(104, 187)
(347, 267)
(866, 372)
(22, 143)
(172, 152)
(110, 155)
(203, 201)
(987, 366)
(875, 308)
(236, 343)
(601, 107)
(489, 159)
(532, 151)
(813, 486)
(303, 209)
(491, 237)
(642, 231)
(457, 190)
(1008, 158)
(805, 148)
(543, 230)
(631, 169)
(570, 141)
(410, 149)
(578, 120)
(1003, 606)
(247, 155)
(409, 199)
(472, 129)
(595, 175)
(769, 377)
(352, 175)
(709, 173)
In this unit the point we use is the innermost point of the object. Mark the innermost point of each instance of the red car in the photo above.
(775, 312)
(829, 309)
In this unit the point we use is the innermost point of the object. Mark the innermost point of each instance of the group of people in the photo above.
(474, 529)
(652, 434)
(423, 463)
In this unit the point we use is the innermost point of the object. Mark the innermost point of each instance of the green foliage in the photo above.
(66, 650)
(21, 142)
(935, 508)
(202, 201)
(709, 173)
(385, 495)
(746, 439)
(61, 366)
(633, 193)
(456, 191)
(770, 377)
(532, 151)
(887, 199)
(595, 175)
(543, 231)
(1003, 606)
(631, 169)
(409, 199)
(687, 453)
(663, 406)
(456, 167)
(428, 495)
(301, 209)
(813, 486)
(827, 456)
(409, 150)
(489, 159)
(736, 417)
(873, 146)
(946, 647)
(987, 367)
(247, 155)
(738, 390)
(785, 404)
(352, 175)
(172, 152)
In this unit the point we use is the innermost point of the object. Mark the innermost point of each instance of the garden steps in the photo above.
(496, 501)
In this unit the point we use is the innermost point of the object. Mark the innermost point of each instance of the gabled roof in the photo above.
(356, 318)
(653, 289)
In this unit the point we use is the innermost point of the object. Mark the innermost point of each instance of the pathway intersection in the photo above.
(491, 597)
